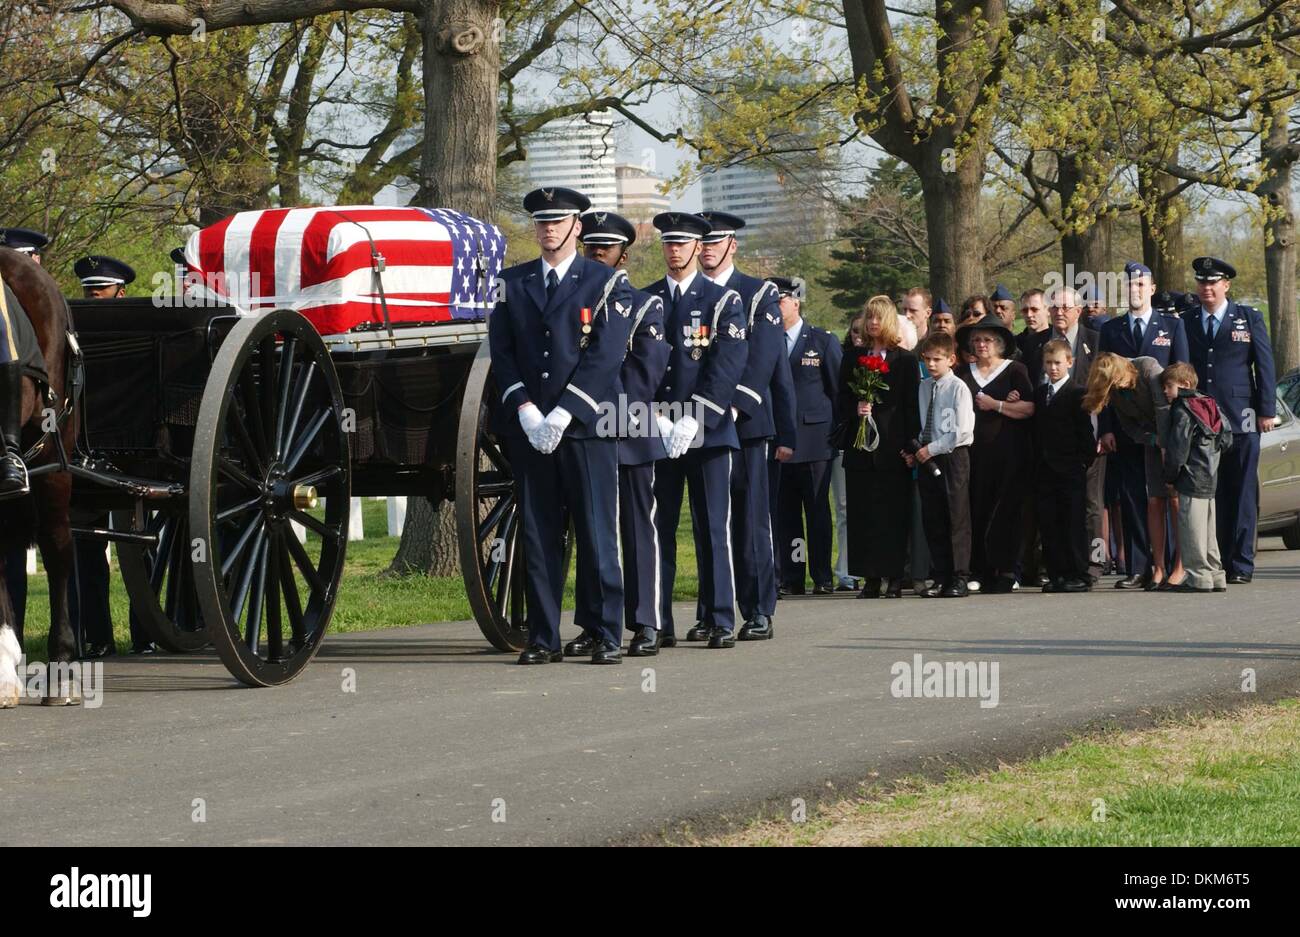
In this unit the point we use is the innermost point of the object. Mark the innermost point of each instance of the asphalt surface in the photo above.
(445, 741)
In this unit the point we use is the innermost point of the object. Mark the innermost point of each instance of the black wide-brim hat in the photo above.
(987, 324)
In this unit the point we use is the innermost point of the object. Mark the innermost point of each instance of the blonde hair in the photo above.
(883, 309)
(1108, 372)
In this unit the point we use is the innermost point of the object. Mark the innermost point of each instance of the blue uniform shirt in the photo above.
(639, 380)
(765, 336)
(815, 371)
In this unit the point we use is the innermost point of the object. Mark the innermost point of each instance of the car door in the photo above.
(1279, 467)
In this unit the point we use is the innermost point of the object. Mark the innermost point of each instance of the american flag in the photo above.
(438, 264)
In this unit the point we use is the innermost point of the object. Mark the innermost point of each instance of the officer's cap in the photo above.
(555, 204)
(678, 226)
(788, 286)
(178, 256)
(1212, 269)
(605, 227)
(102, 271)
(724, 225)
(24, 240)
(1166, 302)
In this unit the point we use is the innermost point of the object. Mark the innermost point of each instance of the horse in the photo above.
(42, 515)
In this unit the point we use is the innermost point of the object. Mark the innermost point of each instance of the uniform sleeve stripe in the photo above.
(583, 394)
(708, 403)
(756, 396)
(510, 390)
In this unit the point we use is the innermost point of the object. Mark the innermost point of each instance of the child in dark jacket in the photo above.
(1195, 437)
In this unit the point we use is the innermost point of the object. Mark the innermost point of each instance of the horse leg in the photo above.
(11, 651)
(53, 494)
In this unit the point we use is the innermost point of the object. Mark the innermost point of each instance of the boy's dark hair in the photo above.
(1180, 374)
(1058, 345)
(941, 342)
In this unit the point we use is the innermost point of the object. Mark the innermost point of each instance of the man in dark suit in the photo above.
(814, 357)
(606, 238)
(557, 338)
(706, 334)
(1038, 326)
(1140, 332)
(1234, 364)
(756, 425)
(1064, 447)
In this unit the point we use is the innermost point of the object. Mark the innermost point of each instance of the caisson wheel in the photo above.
(160, 580)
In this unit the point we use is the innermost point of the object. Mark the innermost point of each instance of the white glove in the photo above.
(531, 419)
(552, 431)
(683, 433)
(665, 426)
(735, 414)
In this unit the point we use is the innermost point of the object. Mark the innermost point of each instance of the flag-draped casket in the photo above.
(341, 266)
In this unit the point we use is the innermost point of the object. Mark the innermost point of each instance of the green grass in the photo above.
(367, 600)
(1222, 780)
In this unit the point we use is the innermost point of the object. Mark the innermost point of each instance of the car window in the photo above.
(1289, 390)
(1283, 410)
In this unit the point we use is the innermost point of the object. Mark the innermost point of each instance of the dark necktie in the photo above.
(1051, 392)
(1137, 332)
(552, 283)
(1209, 328)
(927, 434)
(677, 292)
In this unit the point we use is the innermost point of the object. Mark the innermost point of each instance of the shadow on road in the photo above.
(1226, 650)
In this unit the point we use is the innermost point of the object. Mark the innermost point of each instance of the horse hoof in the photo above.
(8, 699)
(71, 698)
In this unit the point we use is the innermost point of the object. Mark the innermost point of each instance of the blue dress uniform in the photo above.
(806, 479)
(1164, 338)
(705, 325)
(756, 425)
(1234, 364)
(558, 346)
(88, 598)
(639, 446)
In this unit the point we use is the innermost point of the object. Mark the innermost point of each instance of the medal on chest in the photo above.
(696, 339)
(584, 315)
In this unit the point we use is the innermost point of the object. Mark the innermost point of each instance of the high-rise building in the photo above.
(577, 153)
(639, 198)
(773, 202)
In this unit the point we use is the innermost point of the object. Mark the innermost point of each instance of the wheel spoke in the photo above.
(292, 603)
(308, 375)
(246, 580)
(324, 531)
(493, 518)
(253, 631)
(507, 580)
(240, 508)
(494, 488)
(304, 564)
(253, 528)
(274, 648)
(308, 437)
(237, 474)
(282, 392)
(268, 382)
(253, 412)
(161, 555)
(315, 478)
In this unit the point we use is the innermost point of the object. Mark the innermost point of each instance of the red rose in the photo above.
(884, 367)
(864, 361)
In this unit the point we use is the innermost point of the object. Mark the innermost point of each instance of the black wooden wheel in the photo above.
(268, 444)
(488, 521)
(160, 580)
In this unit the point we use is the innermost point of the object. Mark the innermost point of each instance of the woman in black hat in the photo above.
(1003, 398)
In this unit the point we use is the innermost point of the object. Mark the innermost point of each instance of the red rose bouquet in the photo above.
(868, 384)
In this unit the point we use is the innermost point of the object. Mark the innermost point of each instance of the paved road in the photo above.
(438, 728)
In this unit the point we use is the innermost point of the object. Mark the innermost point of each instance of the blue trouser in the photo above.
(640, 544)
(1237, 504)
(708, 473)
(581, 476)
(751, 533)
(1128, 462)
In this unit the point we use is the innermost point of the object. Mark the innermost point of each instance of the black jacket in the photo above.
(1197, 435)
(895, 415)
(1063, 436)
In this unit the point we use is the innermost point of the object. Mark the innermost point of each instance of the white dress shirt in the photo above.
(792, 335)
(561, 269)
(953, 410)
(680, 286)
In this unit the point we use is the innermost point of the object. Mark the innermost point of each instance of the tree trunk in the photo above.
(1279, 236)
(952, 202)
(457, 170)
(1162, 230)
(1086, 247)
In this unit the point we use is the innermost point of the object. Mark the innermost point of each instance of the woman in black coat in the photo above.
(878, 484)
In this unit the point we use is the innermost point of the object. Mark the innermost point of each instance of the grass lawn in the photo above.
(367, 599)
(1220, 780)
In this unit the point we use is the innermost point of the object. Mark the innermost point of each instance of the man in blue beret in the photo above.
(1004, 306)
(1233, 358)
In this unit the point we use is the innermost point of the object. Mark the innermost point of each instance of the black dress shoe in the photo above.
(1239, 579)
(1076, 585)
(536, 654)
(790, 590)
(720, 638)
(1002, 585)
(581, 646)
(1131, 582)
(759, 628)
(895, 589)
(932, 591)
(1150, 585)
(667, 640)
(1186, 586)
(699, 633)
(607, 653)
(870, 589)
(149, 648)
(645, 644)
(847, 587)
(957, 589)
(1219, 588)
(1054, 585)
(97, 651)
(823, 589)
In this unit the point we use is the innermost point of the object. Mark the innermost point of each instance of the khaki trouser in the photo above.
(1199, 542)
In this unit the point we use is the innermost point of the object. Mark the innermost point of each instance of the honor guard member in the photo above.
(101, 278)
(606, 238)
(814, 356)
(1140, 332)
(757, 424)
(706, 332)
(1233, 359)
(557, 337)
(25, 241)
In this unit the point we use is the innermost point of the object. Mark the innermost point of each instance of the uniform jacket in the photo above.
(639, 380)
(1063, 436)
(1165, 338)
(815, 371)
(765, 336)
(536, 346)
(1197, 434)
(709, 382)
(1238, 371)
